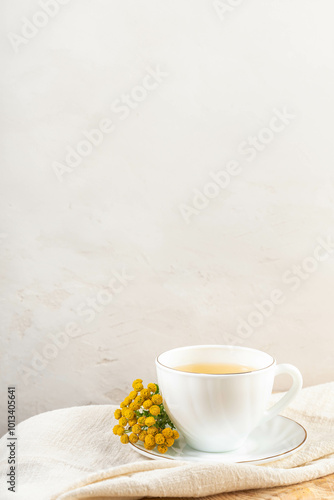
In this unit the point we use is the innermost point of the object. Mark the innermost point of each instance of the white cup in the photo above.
(216, 412)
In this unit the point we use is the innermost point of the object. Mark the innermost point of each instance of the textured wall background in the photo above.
(183, 92)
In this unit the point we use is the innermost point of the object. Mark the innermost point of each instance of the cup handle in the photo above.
(297, 382)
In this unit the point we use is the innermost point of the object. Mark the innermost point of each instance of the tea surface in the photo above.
(215, 368)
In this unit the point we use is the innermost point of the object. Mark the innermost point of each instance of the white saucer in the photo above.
(278, 438)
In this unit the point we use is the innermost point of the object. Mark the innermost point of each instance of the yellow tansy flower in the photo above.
(124, 439)
(138, 380)
(145, 393)
(149, 421)
(115, 428)
(123, 421)
(176, 435)
(154, 410)
(142, 435)
(162, 448)
(141, 420)
(168, 433)
(157, 399)
(138, 386)
(149, 448)
(152, 430)
(131, 418)
(136, 429)
(147, 404)
(139, 400)
(149, 440)
(118, 414)
(132, 394)
(129, 414)
(133, 438)
(159, 439)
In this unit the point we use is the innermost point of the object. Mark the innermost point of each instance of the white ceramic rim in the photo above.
(181, 372)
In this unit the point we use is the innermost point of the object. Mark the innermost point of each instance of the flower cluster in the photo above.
(142, 417)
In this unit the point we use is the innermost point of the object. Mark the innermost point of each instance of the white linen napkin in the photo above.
(72, 454)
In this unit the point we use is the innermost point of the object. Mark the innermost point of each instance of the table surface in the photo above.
(321, 489)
